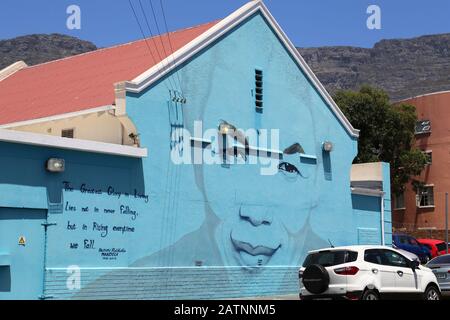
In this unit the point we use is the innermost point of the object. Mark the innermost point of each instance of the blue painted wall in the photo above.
(130, 228)
(368, 216)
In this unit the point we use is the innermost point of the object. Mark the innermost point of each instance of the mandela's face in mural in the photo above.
(262, 216)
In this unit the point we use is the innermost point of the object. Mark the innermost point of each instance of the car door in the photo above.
(406, 279)
(382, 273)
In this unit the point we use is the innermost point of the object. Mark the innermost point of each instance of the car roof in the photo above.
(430, 240)
(354, 248)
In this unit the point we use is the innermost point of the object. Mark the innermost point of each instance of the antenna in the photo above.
(330, 243)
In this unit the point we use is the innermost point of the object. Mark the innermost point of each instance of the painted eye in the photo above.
(289, 168)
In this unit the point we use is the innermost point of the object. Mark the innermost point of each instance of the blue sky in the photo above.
(309, 23)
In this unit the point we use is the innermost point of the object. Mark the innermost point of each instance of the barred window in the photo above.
(67, 133)
(425, 196)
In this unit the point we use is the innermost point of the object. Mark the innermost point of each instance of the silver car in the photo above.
(441, 268)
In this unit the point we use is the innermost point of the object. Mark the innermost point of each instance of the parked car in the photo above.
(436, 247)
(366, 273)
(441, 268)
(408, 243)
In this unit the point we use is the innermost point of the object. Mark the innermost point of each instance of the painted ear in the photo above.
(295, 148)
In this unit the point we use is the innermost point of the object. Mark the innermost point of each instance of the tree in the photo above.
(386, 132)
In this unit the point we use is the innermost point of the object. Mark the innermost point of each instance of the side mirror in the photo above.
(415, 264)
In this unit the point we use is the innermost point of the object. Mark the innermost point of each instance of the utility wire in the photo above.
(155, 45)
(161, 39)
(170, 43)
(143, 36)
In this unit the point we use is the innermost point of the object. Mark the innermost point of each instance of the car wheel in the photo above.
(370, 295)
(316, 279)
(432, 293)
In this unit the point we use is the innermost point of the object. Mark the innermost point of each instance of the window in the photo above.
(429, 155)
(385, 257)
(412, 241)
(403, 240)
(259, 90)
(423, 126)
(441, 246)
(67, 133)
(399, 201)
(425, 196)
(394, 259)
(330, 258)
(373, 256)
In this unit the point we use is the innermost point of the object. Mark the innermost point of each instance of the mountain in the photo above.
(38, 48)
(402, 67)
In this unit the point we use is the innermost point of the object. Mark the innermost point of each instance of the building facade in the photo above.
(421, 209)
(241, 167)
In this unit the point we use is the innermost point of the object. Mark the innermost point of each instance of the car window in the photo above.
(394, 259)
(427, 245)
(373, 256)
(330, 258)
(403, 240)
(351, 256)
(440, 260)
(441, 246)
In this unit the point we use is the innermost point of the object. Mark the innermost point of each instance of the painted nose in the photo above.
(256, 215)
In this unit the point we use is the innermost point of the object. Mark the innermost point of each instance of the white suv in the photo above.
(365, 272)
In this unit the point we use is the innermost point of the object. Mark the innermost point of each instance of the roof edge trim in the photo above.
(11, 69)
(43, 140)
(56, 117)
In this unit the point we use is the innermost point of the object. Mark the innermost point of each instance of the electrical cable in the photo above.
(168, 37)
(155, 45)
(170, 42)
(144, 37)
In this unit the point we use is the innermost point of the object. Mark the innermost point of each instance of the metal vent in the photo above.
(259, 90)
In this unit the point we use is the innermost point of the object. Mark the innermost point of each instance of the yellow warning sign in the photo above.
(22, 241)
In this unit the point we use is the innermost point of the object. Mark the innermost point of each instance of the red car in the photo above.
(437, 247)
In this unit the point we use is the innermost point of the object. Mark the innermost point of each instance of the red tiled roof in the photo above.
(84, 81)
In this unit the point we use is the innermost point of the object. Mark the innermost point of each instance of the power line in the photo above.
(170, 42)
(155, 45)
(143, 36)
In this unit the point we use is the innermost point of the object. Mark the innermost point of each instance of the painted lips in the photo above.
(254, 250)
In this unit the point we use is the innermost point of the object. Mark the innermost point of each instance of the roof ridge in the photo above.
(120, 45)
(423, 95)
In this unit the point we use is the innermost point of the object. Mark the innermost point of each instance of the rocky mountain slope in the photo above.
(38, 48)
(402, 67)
